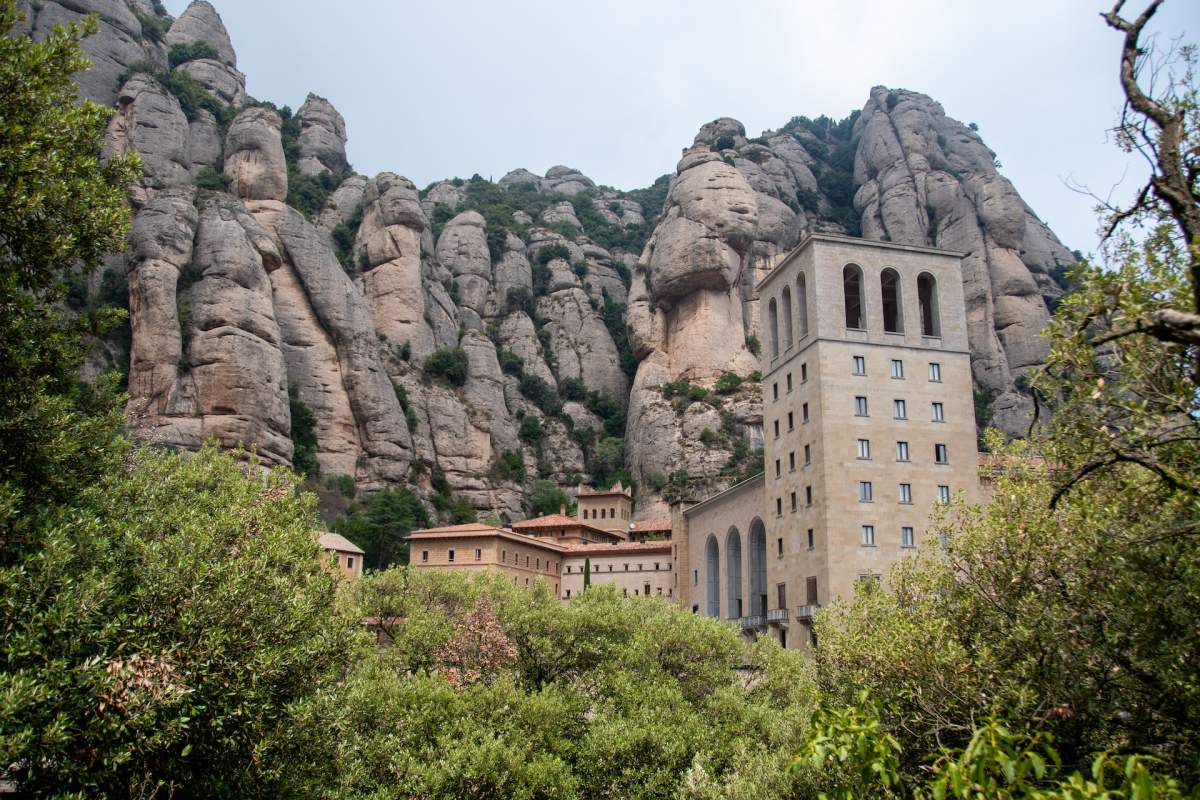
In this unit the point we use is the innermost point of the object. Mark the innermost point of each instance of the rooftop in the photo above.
(833, 238)
(478, 530)
(651, 525)
(335, 541)
(619, 547)
(558, 521)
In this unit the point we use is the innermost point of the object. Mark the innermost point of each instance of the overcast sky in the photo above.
(616, 88)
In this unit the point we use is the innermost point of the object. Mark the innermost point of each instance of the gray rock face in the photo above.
(254, 160)
(204, 143)
(322, 137)
(520, 177)
(225, 82)
(117, 46)
(463, 249)
(343, 204)
(150, 122)
(565, 180)
(581, 344)
(200, 22)
(927, 179)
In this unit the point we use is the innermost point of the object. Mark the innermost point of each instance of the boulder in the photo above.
(254, 160)
(322, 137)
(200, 22)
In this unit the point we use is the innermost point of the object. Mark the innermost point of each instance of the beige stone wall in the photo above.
(631, 573)
(609, 512)
(524, 562)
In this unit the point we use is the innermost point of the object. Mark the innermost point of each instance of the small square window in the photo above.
(807, 455)
(902, 451)
(906, 494)
(906, 536)
(864, 448)
(859, 365)
(943, 494)
(860, 407)
(868, 535)
(935, 372)
(939, 454)
(897, 369)
(865, 493)
(804, 412)
(899, 409)
(939, 412)
(803, 373)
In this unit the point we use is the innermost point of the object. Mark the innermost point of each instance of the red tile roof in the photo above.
(651, 525)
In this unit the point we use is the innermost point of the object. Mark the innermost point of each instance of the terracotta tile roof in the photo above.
(476, 530)
(470, 527)
(550, 521)
(649, 525)
(335, 541)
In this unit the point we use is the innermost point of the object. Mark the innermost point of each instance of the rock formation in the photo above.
(441, 336)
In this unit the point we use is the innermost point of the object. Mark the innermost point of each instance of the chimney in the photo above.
(562, 509)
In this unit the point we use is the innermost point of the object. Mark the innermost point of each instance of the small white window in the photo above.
(865, 494)
(939, 412)
(939, 454)
(860, 407)
(860, 365)
(943, 494)
(864, 448)
(935, 371)
(906, 494)
(899, 409)
(902, 451)
(868, 535)
(906, 536)
(897, 369)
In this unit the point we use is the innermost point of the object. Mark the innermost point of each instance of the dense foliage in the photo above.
(380, 522)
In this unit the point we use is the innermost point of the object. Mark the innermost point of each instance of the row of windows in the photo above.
(866, 494)
(596, 568)
(538, 563)
(858, 366)
(906, 536)
(604, 513)
(862, 408)
(853, 291)
(940, 452)
(645, 591)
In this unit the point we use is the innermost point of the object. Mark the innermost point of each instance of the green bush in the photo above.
(511, 363)
(546, 498)
(304, 436)
(572, 389)
(448, 363)
(696, 393)
(552, 251)
(192, 51)
(410, 415)
(808, 200)
(541, 394)
(728, 383)
(675, 389)
(208, 178)
(754, 377)
(531, 430)
(380, 523)
(708, 437)
(610, 412)
(518, 298)
(753, 345)
(510, 466)
(725, 143)
(344, 484)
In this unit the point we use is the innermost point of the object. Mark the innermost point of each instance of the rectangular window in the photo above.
(424, 556)
(478, 554)
(897, 369)
(810, 591)
(807, 455)
(860, 407)
(791, 421)
(804, 412)
(899, 409)
(935, 372)
(792, 461)
(902, 451)
(864, 448)
(906, 494)
(865, 494)
(789, 382)
(811, 539)
(778, 469)
(776, 429)
(349, 562)
(808, 495)
(943, 494)
(779, 546)
(695, 577)
(939, 454)
(906, 537)
(568, 594)
(859, 365)
(450, 556)
(804, 373)
(779, 506)
(793, 502)
(939, 412)
(781, 595)
(868, 535)
(775, 391)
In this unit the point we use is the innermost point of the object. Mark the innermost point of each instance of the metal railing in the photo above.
(807, 611)
(755, 621)
(777, 615)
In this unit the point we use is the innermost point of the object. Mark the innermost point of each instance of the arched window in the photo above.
(801, 307)
(852, 287)
(928, 300)
(712, 578)
(758, 568)
(893, 307)
(786, 301)
(733, 574)
(773, 323)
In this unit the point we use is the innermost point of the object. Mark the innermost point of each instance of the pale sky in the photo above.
(432, 90)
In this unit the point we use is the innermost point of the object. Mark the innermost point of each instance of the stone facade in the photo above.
(635, 569)
(476, 547)
(610, 509)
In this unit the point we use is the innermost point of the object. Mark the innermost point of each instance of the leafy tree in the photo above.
(607, 463)
(546, 498)
(449, 363)
(380, 524)
(304, 436)
(60, 210)
(531, 430)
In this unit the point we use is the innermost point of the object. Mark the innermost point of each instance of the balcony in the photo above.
(777, 616)
(807, 612)
(755, 621)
